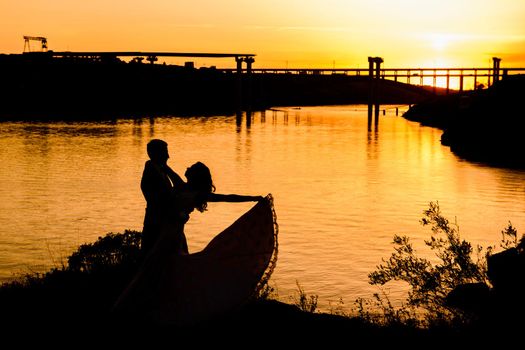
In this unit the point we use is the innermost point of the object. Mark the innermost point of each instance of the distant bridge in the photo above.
(144, 54)
(152, 57)
(436, 77)
(408, 75)
(423, 75)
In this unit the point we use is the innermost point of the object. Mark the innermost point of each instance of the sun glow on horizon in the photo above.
(293, 33)
(440, 42)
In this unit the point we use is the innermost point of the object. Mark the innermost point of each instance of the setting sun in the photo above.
(440, 42)
(328, 33)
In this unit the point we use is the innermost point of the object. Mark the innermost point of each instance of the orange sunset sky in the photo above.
(282, 33)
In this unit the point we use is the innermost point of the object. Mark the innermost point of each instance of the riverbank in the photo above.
(261, 323)
(71, 305)
(482, 125)
(72, 319)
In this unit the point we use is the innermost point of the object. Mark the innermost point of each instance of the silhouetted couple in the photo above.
(175, 287)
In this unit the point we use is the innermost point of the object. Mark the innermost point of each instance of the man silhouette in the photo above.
(158, 183)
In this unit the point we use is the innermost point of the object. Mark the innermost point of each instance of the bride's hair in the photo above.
(200, 181)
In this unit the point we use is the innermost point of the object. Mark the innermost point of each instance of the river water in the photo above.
(342, 189)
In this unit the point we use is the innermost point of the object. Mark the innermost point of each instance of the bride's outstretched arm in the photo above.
(215, 197)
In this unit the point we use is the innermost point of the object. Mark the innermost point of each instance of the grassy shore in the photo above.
(74, 301)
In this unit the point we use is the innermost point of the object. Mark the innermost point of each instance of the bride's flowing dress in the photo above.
(173, 287)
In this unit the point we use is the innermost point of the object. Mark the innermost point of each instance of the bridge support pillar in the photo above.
(243, 94)
(495, 69)
(374, 74)
(248, 94)
(238, 92)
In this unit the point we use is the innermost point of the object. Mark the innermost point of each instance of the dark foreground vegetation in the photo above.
(482, 125)
(470, 296)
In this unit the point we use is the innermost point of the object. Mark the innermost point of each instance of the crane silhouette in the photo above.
(27, 40)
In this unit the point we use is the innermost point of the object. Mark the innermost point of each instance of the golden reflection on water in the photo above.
(341, 191)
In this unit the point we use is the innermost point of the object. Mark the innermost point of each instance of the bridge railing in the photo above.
(457, 78)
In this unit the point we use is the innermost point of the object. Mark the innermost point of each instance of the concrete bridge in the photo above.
(433, 76)
(451, 78)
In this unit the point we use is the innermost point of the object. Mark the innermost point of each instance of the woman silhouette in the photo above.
(197, 192)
